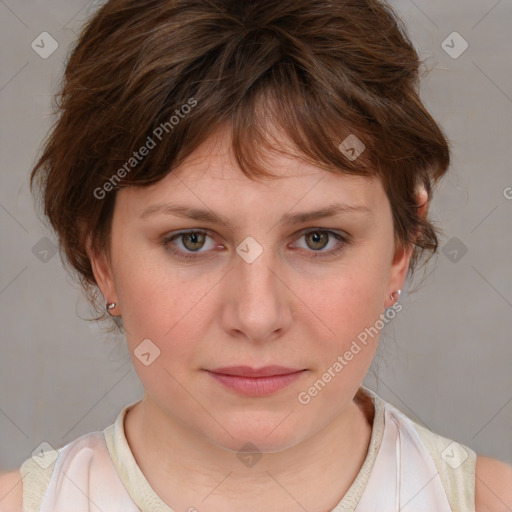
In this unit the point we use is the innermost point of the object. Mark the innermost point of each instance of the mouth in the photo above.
(256, 382)
(247, 371)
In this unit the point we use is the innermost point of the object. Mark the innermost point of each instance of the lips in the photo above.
(256, 382)
(247, 371)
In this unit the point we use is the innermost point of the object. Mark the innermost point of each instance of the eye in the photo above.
(191, 241)
(317, 239)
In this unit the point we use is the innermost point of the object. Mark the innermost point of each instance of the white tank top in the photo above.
(408, 468)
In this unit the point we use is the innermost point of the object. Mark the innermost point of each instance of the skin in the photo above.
(284, 308)
(287, 308)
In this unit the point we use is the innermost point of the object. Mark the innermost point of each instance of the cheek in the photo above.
(146, 310)
(165, 305)
(158, 310)
(348, 301)
(341, 336)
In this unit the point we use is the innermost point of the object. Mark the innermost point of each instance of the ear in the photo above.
(102, 270)
(402, 256)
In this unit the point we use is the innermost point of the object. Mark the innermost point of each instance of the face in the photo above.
(263, 286)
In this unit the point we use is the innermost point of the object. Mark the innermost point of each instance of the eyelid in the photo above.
(169, 238)
(343, 238)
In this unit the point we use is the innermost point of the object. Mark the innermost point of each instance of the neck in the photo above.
(183, 467)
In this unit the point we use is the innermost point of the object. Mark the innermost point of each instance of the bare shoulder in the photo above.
(11, 491)
(493, 485)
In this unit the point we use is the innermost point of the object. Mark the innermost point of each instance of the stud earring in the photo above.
(109, 307)
(395, 295)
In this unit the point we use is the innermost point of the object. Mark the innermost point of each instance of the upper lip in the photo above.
(247, 371)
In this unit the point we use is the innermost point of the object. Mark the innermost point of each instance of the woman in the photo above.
(247, 185)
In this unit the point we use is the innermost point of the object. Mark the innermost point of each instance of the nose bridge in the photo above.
(256, 304)
(255, 269)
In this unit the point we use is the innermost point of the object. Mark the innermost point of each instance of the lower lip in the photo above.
(256, 386)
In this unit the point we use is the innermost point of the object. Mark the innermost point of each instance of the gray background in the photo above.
(446, 359)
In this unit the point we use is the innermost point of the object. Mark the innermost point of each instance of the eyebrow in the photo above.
(287, 218)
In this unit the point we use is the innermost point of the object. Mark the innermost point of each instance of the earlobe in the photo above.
(402, 256)
(422, 200)
(101, 269)
(399, 269)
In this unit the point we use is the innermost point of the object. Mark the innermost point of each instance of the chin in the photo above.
(267, 435)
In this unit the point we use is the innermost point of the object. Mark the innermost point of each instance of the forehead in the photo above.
(210, 178)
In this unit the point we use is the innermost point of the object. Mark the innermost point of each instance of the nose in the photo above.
(257, 304)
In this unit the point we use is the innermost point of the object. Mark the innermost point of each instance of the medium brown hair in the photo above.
(319, 70)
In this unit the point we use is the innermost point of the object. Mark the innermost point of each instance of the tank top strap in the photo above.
(35, 474)
(84, 479)
(405, 477)
(456, 464)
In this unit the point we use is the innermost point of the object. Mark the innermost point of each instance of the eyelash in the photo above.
(343, 239)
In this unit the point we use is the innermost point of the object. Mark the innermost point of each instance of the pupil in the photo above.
(317, 236)
(193, 238)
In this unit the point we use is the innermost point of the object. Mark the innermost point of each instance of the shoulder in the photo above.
(11, 491)
(493, 485)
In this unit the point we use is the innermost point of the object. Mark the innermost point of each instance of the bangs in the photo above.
(282, 103)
